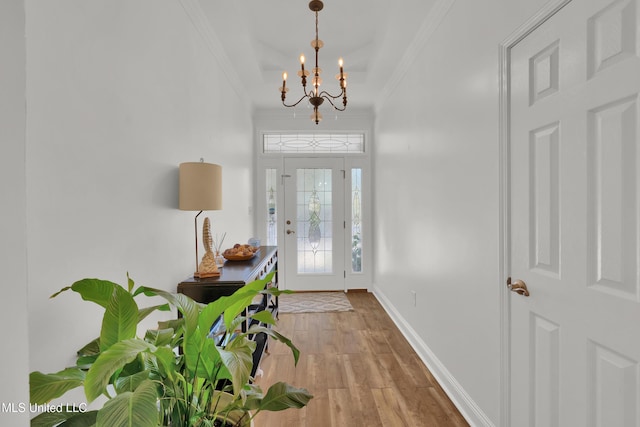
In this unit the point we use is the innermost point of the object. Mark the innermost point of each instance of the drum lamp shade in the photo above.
(200, 186)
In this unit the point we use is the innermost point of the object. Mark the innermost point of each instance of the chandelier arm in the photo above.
(334, 105)
(298, 102)
(308, 94)
(326, 94)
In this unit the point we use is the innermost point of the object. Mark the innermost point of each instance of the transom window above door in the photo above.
(317, 143)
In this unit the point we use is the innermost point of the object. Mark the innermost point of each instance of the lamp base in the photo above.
(207, 267)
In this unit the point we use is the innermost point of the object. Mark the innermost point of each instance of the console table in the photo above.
(233, 276)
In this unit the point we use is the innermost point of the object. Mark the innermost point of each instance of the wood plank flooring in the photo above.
(360, 369)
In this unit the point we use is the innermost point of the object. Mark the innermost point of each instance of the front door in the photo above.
(314, 224)
(574, 218)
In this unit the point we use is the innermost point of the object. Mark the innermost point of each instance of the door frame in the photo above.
(264, 161)
(504, 70)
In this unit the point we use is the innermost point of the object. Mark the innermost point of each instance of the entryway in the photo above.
(314, 205)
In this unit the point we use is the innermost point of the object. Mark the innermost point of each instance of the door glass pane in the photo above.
(356, 220)
(271, 219)
(314, 221)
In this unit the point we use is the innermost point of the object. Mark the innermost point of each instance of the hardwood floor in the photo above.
(360, 369)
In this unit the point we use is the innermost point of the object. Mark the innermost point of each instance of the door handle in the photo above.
(518, 286)
(291, 232)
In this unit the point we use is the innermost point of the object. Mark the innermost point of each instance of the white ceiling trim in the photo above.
(202, 25)
(428, 27)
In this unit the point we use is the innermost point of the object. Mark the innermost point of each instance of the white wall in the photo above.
(119, 93)
(14, 365)
(436, 198)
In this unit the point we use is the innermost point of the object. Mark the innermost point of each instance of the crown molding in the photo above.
(434, 18)
(212, 42)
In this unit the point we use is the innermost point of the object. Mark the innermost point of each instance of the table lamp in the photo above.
(200, 190)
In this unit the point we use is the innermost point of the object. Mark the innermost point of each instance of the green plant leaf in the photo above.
(201, 357)
(166, 359)
(144, 312)
(135, 366)
(188, 307)
(192, 347)
(91, 349)
(120, 318)
(237, 357)
(237, 323)
(245, 295)
(213, 310)
(264, 316)
(130, 382)
(159, 337)
(116, 357)
(45, 387)
(225, 407)
(65, 419)
(131, 409)
(277, 291)
(130, 283)
(235, 303)
(256, 329)
(282, 396)
(209, 360)
(87, 419)
(200, 352)
(174, 324)
(66, 288)
(178, 330)
(95, 290)
(85, 362)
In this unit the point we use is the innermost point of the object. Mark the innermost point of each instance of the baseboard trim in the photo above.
(467, 407)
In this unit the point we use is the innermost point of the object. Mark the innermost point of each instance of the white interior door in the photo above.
(574, 218)
(314, 224)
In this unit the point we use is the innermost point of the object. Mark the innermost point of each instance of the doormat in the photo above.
(313, 302)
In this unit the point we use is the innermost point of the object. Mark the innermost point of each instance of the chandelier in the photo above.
(315, 96)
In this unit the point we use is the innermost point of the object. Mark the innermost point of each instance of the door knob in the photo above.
(290, 232)
(518, 286)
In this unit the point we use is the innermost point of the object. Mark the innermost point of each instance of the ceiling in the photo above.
(264, 38)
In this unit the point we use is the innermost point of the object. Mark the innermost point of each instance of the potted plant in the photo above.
(177, 375)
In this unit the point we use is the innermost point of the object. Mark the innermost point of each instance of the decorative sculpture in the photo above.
(207, 267)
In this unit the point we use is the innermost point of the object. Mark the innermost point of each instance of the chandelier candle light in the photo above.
(316, 98)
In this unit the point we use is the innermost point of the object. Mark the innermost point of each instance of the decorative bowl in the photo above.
(238, 257)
